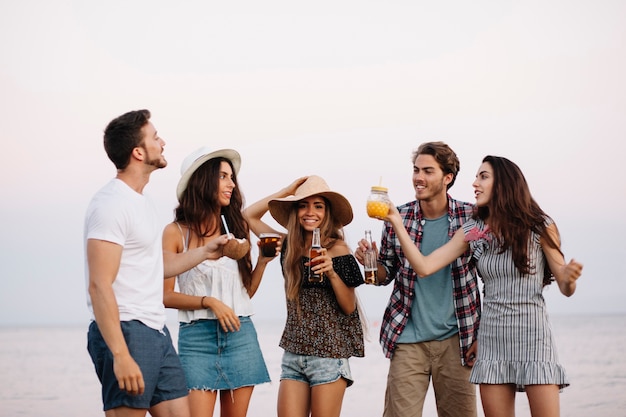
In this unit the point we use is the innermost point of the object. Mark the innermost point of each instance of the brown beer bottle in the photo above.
(314, 252)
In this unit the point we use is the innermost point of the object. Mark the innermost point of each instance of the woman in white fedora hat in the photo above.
(323, 327)
(217, 341)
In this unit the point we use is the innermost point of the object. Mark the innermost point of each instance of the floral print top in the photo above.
(319, 327)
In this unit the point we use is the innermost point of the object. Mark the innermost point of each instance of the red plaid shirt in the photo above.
(465, 283)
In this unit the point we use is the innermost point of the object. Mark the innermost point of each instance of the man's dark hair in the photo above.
(123, 134)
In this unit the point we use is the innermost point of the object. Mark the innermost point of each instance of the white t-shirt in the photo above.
(120, 215)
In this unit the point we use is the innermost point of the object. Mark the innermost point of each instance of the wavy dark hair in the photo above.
(199, 209)
(513, 214)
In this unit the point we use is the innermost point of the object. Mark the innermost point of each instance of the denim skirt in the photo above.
(217, 360)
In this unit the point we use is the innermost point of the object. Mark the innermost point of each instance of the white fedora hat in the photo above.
(195, 159)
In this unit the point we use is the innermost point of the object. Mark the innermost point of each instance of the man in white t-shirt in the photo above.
(128, 341)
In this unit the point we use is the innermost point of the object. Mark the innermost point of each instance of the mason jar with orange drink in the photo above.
(378, 202)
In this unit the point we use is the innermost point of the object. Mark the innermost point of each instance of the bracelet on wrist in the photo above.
(202, 302)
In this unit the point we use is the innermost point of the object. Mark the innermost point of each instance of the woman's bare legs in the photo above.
(235, 403)
(498, 400)
(294, 398)
(202, 403)
(543, 400)
(326, 399)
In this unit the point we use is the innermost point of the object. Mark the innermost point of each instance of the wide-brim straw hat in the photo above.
(340, 207)
(195, 159)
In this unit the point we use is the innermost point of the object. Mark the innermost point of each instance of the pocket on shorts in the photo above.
(183, 325)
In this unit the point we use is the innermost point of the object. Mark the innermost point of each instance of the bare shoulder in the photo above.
(173, 237)
(552, 229)
(340, 248)
(172, 229)
(553, 232)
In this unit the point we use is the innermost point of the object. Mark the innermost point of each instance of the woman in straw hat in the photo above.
(217, 341)
(323, 327)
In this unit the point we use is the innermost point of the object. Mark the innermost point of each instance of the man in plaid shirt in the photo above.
(431, 323)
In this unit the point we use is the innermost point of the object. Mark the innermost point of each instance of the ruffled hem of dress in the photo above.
(519, 373)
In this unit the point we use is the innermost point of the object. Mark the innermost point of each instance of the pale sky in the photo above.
(342, 89)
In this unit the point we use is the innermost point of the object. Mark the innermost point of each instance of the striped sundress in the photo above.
(515, 341)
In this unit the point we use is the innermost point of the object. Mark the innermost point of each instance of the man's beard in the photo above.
(157, 163)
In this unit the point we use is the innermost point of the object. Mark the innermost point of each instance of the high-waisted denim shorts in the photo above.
(217, 360)
(315, 370)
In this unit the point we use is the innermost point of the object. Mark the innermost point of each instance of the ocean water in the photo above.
(46, 372)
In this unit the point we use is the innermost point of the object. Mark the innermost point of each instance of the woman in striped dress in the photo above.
(516, 247)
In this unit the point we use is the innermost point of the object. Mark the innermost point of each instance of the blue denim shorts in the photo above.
(217, 360)
(315, 370)
(154, 353)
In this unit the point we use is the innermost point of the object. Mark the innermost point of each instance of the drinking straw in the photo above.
(225, 226)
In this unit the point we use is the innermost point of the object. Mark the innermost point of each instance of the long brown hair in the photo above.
(512, 214)
(200, 211)
(330, 231)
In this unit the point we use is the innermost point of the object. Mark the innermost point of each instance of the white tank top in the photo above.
(217, 278)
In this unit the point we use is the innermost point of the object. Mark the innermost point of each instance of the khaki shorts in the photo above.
(410, 371)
